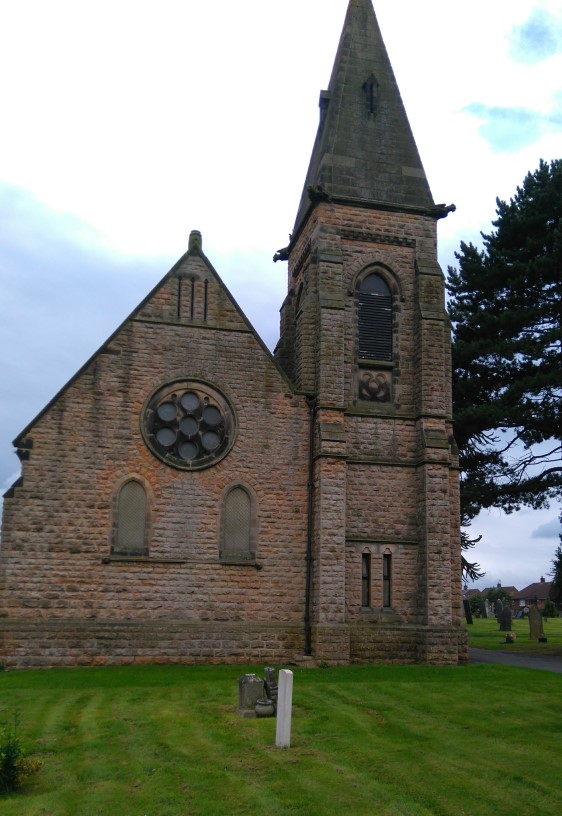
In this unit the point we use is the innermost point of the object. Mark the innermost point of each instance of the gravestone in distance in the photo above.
(483, 608)
(505, 619)
(498, 610)
(467, 611)
(271, 688)
(536, 631)
(250, 690)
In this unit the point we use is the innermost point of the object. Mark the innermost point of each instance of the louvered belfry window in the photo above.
(374, 319)
(130, 534)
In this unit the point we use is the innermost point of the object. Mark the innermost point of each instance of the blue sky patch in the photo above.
(537, 39)
(510, 129)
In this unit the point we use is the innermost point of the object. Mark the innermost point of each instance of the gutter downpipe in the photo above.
(311, 401)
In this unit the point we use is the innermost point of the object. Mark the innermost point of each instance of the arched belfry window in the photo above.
(131, 512)
(374, 310)
(238, 525)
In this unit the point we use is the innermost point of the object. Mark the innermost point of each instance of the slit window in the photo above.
(366, 579)
(374, 310)
(386, 579)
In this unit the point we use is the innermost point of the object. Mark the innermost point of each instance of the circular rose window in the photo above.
(188, 424)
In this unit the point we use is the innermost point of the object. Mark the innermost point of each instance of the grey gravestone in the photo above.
(505, 619)
(250, 690)
(467, 611)
(536, 630)
(498, 610)
(483, 610)
(271, 688)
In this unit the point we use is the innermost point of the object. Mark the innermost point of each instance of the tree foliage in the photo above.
(504, 302)
(498, 594)
(556, 571)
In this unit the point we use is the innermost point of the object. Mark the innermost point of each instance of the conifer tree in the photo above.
(505, 305)
(556, 571)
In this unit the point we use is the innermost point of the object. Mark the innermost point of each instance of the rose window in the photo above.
(188, 425)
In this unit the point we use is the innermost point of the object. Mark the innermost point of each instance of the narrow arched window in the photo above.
(238, 525)
(131, 517)
(374, 310)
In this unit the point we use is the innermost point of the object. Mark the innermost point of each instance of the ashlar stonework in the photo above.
(188, 497)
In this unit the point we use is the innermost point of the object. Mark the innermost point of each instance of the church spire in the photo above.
(364, 149)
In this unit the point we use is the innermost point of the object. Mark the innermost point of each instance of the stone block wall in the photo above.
(401, 485)
(56, 562)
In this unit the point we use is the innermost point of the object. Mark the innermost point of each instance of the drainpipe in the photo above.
(310, 528)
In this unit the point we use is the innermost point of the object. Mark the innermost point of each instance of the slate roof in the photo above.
(539, 590)
(364, 147)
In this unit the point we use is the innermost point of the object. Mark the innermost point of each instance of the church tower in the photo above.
(365, 335)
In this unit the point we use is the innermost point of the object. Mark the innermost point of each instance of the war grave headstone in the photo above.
(284, 709)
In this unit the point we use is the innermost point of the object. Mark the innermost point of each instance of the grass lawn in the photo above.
(368, 740)
(484, 633)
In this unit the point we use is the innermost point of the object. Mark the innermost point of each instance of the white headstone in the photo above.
(284, 709)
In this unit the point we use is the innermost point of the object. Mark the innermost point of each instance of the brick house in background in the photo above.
(483, 593)
(535, 594)
(188, 497)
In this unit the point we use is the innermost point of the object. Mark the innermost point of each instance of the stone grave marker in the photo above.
(250, 690)
(467, 611)
(483, 608)
(536, 631)
(284, 709)
(498, 610)
(271, 687)
(505, 619)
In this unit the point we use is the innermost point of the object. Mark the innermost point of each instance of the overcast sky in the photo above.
(125, 125)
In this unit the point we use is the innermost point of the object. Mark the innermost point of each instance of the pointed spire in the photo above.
(364, 148)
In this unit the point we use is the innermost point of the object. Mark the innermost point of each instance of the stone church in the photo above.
(190, 498)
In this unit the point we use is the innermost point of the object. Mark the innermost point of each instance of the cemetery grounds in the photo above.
(366, 740)
(484, 633)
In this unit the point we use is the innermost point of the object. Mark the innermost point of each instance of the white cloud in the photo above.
(510, 551)
(550, 529)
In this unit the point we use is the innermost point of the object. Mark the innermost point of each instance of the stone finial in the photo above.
(195, 242)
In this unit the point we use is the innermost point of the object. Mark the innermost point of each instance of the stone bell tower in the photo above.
(365, 335)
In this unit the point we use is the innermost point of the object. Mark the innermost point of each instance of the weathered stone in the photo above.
(250, 690)
(284, 709)
(505, 619)
(536, 629)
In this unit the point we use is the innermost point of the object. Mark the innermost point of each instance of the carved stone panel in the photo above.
(374, 386)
